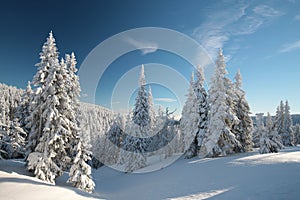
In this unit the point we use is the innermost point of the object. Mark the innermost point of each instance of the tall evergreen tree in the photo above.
(287, 136)
(189, 121)
(256, 134)
(50, 100)
(80, 171)
(194, 115)
(49, 60)
(231, 99)
(202, 106)
(141, 108)
(279, 119)
(284, 124)
(139, 128)
(56, 132)
(273, 133)
(220, 140)
(243, 129)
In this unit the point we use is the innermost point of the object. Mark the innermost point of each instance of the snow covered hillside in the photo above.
(241, 176)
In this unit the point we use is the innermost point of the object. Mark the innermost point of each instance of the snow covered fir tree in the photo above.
(284, 123)
(220, 139)
(244, 127)
(54, 143)
(146, 131)
(194, 115)
(189, 121)
(141, 115)
(141, 121)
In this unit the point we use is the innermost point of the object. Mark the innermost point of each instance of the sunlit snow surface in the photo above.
(243, 176)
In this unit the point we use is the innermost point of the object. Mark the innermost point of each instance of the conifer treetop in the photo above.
(200, 75)
(142, 79)
(238, 79)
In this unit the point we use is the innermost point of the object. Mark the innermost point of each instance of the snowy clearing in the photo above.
(242, 176)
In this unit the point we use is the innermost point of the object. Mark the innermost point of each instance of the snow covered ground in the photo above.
(243, 176)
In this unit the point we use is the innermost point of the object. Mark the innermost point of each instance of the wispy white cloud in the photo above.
(290, 47)
(213, 33)
(267, 11)
(249, 26)
(168, 100)
(297, 17)
(144, 46)
(218, 28)
(235, 20)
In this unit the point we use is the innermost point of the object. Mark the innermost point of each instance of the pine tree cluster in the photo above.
(218, 122)
(55, 143)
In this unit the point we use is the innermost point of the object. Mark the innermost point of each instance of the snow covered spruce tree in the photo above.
(189, 121)
(220, 140)
(80, 172)
(231, 99)
(141, 120)
(269, 138)
(46, 140)
(202, 106)
(243, 129)
(141, 108)
(279, 118)
(273, 133)
(37, 118)
(288, 135)
(194, 114)
(284, 124)
(54, 140)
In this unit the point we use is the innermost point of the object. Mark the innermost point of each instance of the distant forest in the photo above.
(295, 118)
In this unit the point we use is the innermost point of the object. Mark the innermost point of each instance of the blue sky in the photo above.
(261, 38)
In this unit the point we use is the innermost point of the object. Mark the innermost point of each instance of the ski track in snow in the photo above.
(241, 176)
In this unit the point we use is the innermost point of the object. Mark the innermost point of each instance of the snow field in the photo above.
(241, 176)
